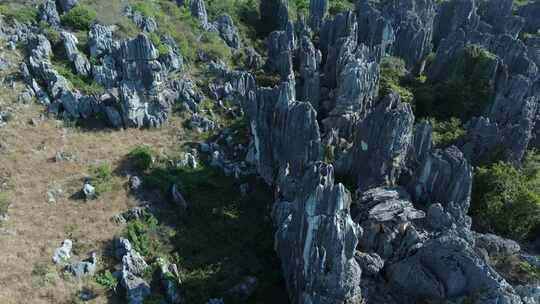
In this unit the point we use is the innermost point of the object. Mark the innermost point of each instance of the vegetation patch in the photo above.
(506, 200)
(465, 90)
(17, 12)
(80, 17)
(393, 71)
(107, 280)
(102, 178)
(447, 132)
(141, 157)
(4, 204)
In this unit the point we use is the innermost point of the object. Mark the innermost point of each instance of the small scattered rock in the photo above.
(89, 191)
(134, 183)
(177, 197)
(62, 254)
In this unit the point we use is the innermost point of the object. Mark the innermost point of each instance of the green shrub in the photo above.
(102, 178)
(79, 17)
(141, 157)
(506, 199)
(138, 234)
(464, 91)
(156, 40)
(393, 71)
(107, 280)
(447, 132)
(20, 13)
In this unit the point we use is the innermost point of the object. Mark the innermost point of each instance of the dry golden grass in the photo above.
(35, 227)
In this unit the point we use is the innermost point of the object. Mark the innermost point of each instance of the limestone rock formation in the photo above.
(381, 144)
(316, 239)
(227, 31)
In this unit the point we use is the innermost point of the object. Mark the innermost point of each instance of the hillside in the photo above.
(269, 151)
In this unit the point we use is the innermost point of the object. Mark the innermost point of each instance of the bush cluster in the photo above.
(506, 199)
(80, 17)
(141, 157)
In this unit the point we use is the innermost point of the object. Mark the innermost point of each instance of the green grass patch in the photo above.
(85, 84)
(80, 18)
(18, 12)
(102, 178)
(139, 232)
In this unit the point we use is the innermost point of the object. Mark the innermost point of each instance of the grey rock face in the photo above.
(530, 294)
(136, 288)
(198, 11)
(254, 60)
(82, 65)
(381, 144)
(172, 60)
(227, 31)
(49, 14)
(143, 99)
(201, 124)
(316, 241)
(358, 81)
(499, 16)
(66, 5)
(275, 117)
(84, 268)
(454, 15)
(146, 24)
(317, 11)
(100, 40)
(530, 13)
(334, 34)
(384, 215)
(62, 254)
(496, 246)
(310, 60)
(444, 177)
(280, 53)
(275, 14)
(447, 267)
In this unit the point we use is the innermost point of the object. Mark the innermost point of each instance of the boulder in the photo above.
(85, 268)
(62, 254)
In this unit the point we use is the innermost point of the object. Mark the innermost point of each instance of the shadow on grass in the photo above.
(221, 238)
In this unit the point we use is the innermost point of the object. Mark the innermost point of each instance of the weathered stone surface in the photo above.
(227, 31)
(496, 246)
(280, 53)
(66, 5)
(49, 14)
(530, 13)
(100, 41)
(381, 144)
(447, 267)
(316, 241)
(62, 254)
(444, 177)
(198, 11)
(274, 14)
(84, 268)
(79, 61)
(334, 34)
(384, 215)
(137, 289)
(310, 60)
(275, 118)
(317, 11)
